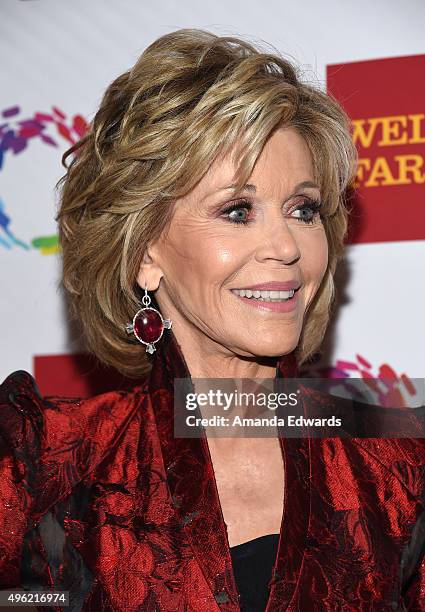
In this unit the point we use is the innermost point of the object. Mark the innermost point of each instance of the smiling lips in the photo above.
(272, 291)
(268, 296)
(274, 296)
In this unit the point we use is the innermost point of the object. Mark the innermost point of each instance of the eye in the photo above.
(309, 212)
(238, 212)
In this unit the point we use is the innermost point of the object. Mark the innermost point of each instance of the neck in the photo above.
(169, 363)
(207, 359)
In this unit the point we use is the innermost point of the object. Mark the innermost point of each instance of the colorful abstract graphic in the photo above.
(383, 385)
(15, 137)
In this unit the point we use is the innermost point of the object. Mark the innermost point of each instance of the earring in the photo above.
(148, 324)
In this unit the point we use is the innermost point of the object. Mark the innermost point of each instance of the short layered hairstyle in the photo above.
(191, 96)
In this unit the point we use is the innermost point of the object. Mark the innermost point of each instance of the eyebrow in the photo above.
(253, 189)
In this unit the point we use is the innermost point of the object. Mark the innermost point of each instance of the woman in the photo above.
(211, 185)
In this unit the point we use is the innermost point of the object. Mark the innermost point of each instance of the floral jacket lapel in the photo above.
(193, 488)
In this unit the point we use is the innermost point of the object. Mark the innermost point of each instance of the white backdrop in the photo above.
(58, 54)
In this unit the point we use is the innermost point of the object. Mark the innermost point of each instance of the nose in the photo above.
(278, 242)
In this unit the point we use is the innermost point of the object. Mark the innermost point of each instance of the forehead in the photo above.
(284, 162)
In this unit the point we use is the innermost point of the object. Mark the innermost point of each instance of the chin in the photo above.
(273, 348)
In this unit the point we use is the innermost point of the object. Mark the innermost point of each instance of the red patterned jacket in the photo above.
(98, 498)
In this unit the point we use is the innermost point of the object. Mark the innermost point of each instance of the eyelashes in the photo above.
(310, 207)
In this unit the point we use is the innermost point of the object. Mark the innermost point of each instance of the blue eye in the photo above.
(238, 212)
(308, 210)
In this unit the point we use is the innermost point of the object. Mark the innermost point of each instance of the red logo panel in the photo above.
(386, 102)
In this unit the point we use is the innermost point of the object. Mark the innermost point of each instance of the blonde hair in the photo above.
(190, 96)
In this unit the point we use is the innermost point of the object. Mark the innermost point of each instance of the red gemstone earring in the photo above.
(148, 324)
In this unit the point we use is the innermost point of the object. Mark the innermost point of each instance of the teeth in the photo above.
(265, 296)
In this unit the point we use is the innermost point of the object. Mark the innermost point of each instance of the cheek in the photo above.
(315, 255)
(205, 258)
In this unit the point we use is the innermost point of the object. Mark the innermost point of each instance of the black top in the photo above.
(252, 566)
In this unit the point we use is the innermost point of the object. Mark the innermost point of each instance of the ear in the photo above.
(150, 272)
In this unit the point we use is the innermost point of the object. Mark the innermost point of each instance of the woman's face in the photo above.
(219, 244)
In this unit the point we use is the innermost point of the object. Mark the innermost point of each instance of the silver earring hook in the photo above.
(146, 300)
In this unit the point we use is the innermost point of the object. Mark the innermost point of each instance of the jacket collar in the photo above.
(193, 488)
